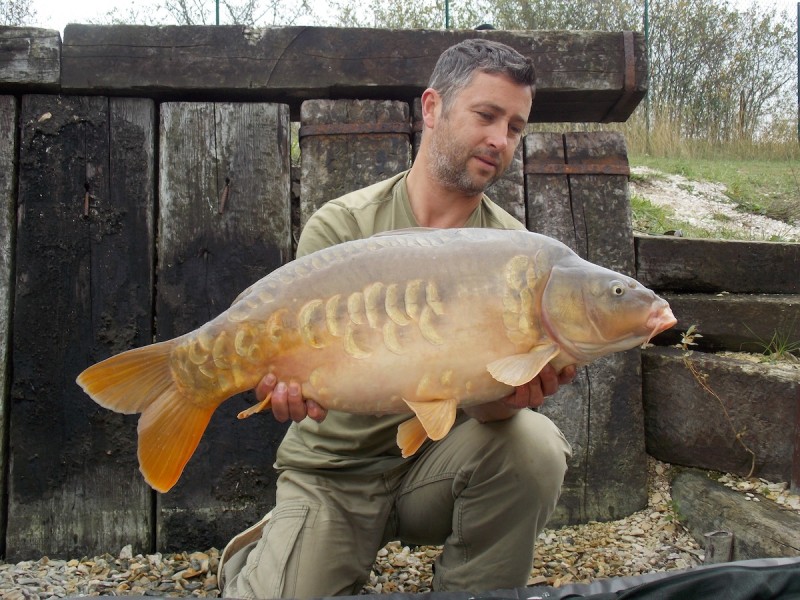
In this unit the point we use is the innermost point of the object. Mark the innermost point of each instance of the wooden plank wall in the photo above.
(140, 218)
(577, 192)
(207, 254)
(83, 291)
(739, 295)
(86, 246)
(8, 181)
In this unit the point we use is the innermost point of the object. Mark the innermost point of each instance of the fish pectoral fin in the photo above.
(435, 416)
(256, 408)
(410, 436)
(519, 369)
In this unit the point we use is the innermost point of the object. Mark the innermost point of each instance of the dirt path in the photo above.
(705, 205)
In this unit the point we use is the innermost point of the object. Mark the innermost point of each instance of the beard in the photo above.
(448, 164)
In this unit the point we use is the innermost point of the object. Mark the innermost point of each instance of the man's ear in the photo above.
(431, 107)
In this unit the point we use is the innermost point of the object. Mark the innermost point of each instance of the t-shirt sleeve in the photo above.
(331, 224)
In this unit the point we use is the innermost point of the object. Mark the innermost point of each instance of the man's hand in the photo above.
(287, 400)
(530, 395)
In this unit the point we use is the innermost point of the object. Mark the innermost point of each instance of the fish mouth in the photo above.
(659, 320)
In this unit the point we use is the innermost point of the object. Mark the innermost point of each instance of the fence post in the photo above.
(224, 222)
(577, 192)
(83, 272)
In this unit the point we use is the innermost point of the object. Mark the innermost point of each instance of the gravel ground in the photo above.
(650, 540)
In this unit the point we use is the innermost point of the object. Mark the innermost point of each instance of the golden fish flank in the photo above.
(394, 310)
(334, 315)
(385, 308)
(310, 322)
(519, 300)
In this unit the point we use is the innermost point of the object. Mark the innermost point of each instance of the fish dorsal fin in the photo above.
(410, 436)
(435, 416)
(519, 369)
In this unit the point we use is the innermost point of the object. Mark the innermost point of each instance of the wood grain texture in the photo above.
(83, 291)
(582, 75)
(30, 59)
(208, 254)
(601, 413)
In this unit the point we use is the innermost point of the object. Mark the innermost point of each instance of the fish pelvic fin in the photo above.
(170, 425)
(410, 436)
(519, 369)
(435, 416)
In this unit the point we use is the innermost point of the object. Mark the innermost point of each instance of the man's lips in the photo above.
(487, 160)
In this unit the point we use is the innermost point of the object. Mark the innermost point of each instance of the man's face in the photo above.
(473, 142)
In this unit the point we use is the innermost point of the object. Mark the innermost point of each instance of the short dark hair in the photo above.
(457, 64)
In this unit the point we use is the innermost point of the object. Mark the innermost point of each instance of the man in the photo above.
(485, 490)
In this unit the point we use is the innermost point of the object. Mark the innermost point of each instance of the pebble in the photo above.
(650, 540)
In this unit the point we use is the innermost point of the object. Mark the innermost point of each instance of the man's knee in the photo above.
(529, 448)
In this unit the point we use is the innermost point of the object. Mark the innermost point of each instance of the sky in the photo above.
(55, 14)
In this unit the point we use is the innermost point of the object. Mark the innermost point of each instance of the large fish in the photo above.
(419, 321)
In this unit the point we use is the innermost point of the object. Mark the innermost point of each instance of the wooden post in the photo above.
(576, 187)
(349, 144)
(794, 481)
(83, 291)
(8, 184)
(223, 224)
(718, 547)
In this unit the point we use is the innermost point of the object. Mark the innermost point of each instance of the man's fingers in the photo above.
(548, 381)
(265, 386)
(315, 411)
(279, 404)
(297, 407)
(567, 375)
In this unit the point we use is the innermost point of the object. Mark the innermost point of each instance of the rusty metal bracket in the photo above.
(606, 166)
(355, 128)
(629, 78)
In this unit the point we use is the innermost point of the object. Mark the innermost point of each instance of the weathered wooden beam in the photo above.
(30, 59)
(760, 529)
(84, 252)
(8, 186)
(701, 410)
(601, 414)
(582, 75)
(694, 265)
(224, 210)
(735, 322)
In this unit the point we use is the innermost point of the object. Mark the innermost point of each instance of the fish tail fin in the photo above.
(170, 426)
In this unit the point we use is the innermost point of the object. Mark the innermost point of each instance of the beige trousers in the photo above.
(484, 492)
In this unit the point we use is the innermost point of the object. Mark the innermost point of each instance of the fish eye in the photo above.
(617, 288)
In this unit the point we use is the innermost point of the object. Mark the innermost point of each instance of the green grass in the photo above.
(771, 188)
(761, 177)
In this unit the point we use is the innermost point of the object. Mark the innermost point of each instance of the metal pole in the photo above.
(217, 3)
(447, 14)
(650, 69)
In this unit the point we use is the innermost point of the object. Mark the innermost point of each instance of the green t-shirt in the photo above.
(362, 443)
